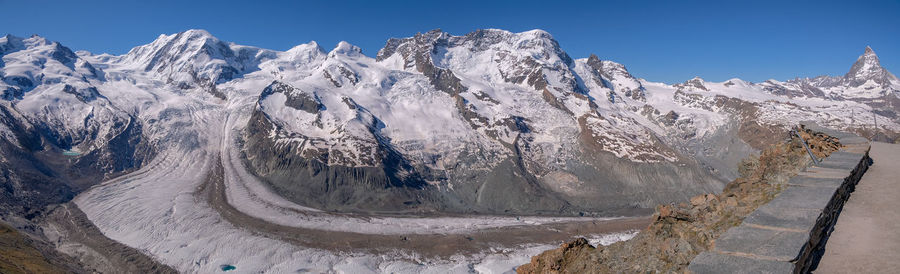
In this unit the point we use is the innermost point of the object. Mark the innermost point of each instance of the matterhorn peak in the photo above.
(868, 58)
(866, 68)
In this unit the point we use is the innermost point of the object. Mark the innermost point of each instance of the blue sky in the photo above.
(668, 41)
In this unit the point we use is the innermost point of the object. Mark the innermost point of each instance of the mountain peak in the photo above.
(188, 35)
(36, 41)
(197, 32)
(695, 83)
(311, 47)
(10, 43)
(174, 42)
(344, 48)
(538, 33)
(194, 58)
(869, 58)
(868, 67)
(196, 36)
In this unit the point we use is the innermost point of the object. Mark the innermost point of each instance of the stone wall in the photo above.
(789, 233)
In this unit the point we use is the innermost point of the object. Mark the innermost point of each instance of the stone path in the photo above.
(866, 238)
(785, 235)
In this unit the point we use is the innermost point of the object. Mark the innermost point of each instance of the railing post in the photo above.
(811, 156)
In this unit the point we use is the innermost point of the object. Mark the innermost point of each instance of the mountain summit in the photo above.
(195, 58)
(866, 80)
(866, 68)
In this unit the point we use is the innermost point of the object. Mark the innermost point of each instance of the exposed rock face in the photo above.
(102, 139)
(35, 173)
(495, 156)
(562, 259)
(695, 84)
(615, 77)
(803, 89)
(316, 179)
(867, 68)
(70, 231)
(22, 254)
(590, 138)
(293, 97)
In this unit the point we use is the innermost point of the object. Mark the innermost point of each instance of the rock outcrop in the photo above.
(682, 231)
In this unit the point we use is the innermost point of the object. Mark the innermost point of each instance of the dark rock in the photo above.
(711, 262)
(296, 98)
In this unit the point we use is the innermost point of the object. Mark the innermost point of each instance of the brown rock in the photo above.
(664, 211)
(731, 202)
(682, 231)
(568, 258)
(698, 200)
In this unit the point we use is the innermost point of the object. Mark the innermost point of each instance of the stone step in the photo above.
(774, 216)
(779, 245)
(713, 262)
(815, 182)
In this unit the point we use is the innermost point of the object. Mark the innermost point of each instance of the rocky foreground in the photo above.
(680, 232)
(21, 255)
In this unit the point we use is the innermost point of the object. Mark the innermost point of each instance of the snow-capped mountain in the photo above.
(50, 106)
(498, 106)
(194, 59)
(868, 68)
(491, 121)
(866, 80)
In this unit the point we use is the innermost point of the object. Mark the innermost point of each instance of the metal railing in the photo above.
(811, 155)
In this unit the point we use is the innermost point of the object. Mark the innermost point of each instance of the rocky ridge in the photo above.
(58, 133)
(680, 232)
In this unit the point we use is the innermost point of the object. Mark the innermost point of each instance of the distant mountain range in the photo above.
(488, 122)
